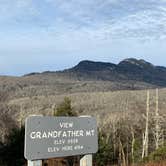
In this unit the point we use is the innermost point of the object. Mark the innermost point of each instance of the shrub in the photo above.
(157, 156)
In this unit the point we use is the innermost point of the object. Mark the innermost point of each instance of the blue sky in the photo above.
(39, 35)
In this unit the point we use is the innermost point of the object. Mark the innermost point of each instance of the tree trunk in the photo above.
(157, 127)
(143, 145)
(146, 134)
(122, 153)
(132, 145)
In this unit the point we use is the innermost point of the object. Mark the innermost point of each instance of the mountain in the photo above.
(86, 65)
(87, 76)
(127, 70)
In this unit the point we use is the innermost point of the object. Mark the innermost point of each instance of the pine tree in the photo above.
(65, 108)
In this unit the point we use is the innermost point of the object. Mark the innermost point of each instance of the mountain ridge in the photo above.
(129, 69)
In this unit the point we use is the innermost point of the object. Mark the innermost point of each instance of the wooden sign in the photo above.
(50, 137)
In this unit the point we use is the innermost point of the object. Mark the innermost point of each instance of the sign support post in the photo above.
(35, 163)
(86, 160)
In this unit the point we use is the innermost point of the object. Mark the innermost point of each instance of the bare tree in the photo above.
(146, 134)
(158, 131)
(132, 145)
(157, 126)
(7, 123)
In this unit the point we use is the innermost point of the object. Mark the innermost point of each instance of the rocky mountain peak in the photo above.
(132, 62)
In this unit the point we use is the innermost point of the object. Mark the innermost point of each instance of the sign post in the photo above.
(35, 163)
(51, 137)
(86, 160)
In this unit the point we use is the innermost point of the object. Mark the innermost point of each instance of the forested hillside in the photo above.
(130, 112)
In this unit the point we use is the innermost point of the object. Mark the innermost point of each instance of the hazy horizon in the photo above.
(54, 35)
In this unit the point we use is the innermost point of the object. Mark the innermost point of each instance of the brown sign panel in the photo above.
(50, 137)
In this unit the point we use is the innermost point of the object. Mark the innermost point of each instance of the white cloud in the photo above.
(81, 19)
(82, 27)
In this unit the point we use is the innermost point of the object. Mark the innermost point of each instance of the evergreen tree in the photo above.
(104, 155)
(12, 152)
(65, 108)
